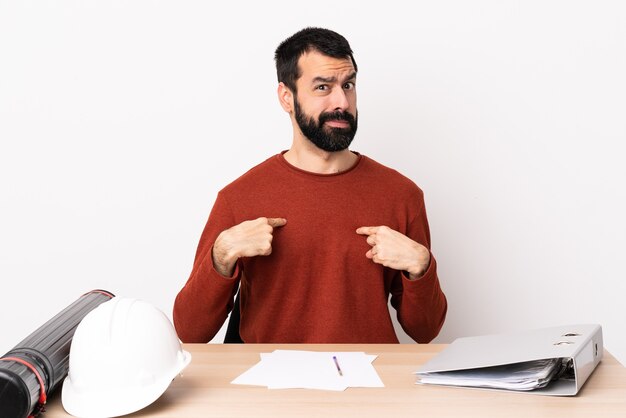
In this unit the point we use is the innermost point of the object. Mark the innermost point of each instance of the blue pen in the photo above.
(337, 364)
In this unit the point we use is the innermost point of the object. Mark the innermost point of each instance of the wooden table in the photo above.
(204, 390)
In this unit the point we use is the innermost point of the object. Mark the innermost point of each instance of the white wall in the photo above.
(120, 121)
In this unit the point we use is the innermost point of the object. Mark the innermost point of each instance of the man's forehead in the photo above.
(315, 64)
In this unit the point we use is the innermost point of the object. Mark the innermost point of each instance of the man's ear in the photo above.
(285, 97)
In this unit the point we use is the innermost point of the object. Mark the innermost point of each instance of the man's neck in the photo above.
(315, 160)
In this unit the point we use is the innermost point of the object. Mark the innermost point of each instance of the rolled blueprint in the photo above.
(36, 366)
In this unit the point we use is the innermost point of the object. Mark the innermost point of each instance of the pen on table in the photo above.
(337, 364)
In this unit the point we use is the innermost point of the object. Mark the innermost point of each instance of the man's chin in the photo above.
(335, 146)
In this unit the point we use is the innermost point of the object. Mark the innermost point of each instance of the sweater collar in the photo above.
(283, 162)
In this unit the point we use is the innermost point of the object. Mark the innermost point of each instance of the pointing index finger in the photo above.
(276, 222)
(367, 230)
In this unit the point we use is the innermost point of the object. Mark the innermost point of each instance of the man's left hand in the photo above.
(395, 250)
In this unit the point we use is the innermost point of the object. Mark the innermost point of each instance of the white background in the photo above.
(120, 121)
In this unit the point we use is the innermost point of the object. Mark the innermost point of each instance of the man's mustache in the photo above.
(336, 115)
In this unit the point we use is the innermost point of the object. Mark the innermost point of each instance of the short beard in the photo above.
(337, 139)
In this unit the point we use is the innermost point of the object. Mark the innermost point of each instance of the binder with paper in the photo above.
(547, 361)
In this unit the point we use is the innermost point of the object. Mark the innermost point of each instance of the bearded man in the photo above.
(318, 237)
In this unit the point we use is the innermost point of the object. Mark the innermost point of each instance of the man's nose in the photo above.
(339, 99)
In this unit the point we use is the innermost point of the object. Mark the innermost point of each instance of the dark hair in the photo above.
(291, 49)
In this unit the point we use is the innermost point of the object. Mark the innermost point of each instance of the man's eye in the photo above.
(349, 85)
(322, 87)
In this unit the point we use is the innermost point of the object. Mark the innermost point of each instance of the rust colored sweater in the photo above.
(317, 286)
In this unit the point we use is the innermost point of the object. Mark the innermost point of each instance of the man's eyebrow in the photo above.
(320, 79)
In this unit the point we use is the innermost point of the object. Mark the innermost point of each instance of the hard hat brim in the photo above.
(115, 401)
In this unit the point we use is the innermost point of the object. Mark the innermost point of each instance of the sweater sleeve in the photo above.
(420, 304)
(203, 304)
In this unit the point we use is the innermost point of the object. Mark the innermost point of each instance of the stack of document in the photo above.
(528, 375)
(286, 369)
(544, 361)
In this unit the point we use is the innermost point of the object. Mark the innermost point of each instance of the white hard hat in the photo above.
(124, 355)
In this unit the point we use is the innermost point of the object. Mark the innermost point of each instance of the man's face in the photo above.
(325, 105)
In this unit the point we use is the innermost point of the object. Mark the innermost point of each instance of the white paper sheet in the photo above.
(287, 369)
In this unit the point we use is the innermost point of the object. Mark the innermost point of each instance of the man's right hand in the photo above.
(248, 239)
